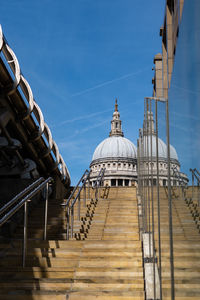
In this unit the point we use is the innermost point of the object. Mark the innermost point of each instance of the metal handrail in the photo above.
(194, 175)
(98, 177)
(20, 195)
(24, 202)
(74, 190)
(177, 174)
(98, 182)
(80, 189)
(180, 181)
(70, 206)
(195, 170)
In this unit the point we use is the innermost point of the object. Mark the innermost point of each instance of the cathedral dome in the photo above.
(115, 147)
(173, 153)
(162, 149)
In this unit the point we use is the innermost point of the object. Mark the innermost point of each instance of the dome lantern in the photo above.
(116, 123)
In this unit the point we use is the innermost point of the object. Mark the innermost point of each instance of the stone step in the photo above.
(74, 295)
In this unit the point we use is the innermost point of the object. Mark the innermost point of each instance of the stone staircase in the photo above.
(103, 260)
(186, 248)
(104, 263)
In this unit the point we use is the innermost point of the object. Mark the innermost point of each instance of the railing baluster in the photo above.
(30, 192)
(70, 204)
(89, 187)
(68, 221)
(85, 194)
(79, 207)
(25, 234)
(72, 221)
(46, 211)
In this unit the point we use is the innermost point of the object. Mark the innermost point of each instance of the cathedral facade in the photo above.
(122, 160)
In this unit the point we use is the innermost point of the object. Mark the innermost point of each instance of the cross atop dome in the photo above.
(116, 123)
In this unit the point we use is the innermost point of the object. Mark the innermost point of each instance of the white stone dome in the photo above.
(162, 149)
(115, 147)
(173, 153)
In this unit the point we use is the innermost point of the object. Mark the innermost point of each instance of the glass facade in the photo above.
(184, 92)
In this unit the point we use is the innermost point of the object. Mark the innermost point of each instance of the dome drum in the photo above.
(117, 160)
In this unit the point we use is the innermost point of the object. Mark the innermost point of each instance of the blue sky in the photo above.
(78, 56)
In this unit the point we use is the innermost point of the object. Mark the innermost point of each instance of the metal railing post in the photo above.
(99, 190)
(89, 187)
(192, 186)
(79, 207)
(25, 233)
(46, 210)
(85, 194)
(68, 221)
(158, 202)
(170, 204)
(72, 222)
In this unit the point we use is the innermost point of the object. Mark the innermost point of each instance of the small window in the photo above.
(124, 165)
(108, 165)
(126, 182)
(113, 164)
(116, 125)
(120, 182)
(119, 165)
(113, 182)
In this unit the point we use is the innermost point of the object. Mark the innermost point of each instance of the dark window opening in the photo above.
(126, 182)
(120, 182)
(113, 182)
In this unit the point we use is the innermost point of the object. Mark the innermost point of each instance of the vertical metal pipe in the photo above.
(139, 187)
(145, 168)
(143, 183)
(170, 205)
(72, 222)
(46, 210)
(68, 221)
(79, 207)
(152, 200)
(158, 201)
(148, 187)
(88, 187)
(192, 186)
(25, 234)
(85, 194)
(99, 190)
